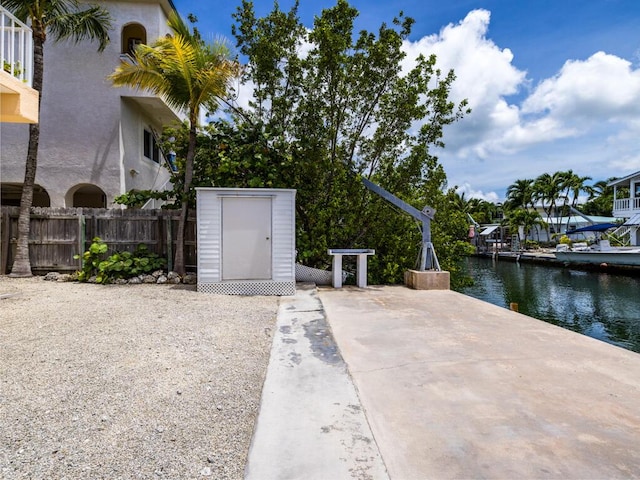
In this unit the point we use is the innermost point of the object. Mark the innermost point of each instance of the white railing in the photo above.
(621, 204)
(16, 47)
(624, 204)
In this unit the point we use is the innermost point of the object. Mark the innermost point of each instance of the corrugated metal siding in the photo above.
(209, 236)
(283, 231)
(210, 232)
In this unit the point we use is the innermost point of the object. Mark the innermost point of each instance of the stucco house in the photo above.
(96, 141)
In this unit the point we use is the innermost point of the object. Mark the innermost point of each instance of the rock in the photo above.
(148, 279)
(190, 279)
(51, 276)
(157, 273)
(121, 281)
(65, 277)
(135, 281)
(175, 280)
(92, 279)
(172, 275)
(161, 279)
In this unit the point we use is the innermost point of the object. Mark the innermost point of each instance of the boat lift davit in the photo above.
(428, 258)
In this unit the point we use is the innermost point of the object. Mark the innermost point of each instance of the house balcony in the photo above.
(18, 100)
(626, 207)
(626, 196)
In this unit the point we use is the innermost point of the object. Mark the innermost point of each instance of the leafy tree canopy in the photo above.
(330, 106)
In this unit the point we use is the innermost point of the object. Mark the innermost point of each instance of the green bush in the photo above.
(564, 240)
(106, 269)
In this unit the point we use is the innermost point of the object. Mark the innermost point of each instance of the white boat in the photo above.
(603, 254)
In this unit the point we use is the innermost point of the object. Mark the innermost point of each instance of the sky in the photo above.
(553, 84)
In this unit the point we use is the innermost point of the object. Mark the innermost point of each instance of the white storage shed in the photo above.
(246, 241)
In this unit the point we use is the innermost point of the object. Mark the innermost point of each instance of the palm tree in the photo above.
(524, 219)
(520, 194)
(549, 189)
(600, 200)
(62, 19)
(574, 184)
(190, 75)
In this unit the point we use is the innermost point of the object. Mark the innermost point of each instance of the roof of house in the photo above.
(624, 180)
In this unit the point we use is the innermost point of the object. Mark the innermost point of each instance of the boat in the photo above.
(602, 254)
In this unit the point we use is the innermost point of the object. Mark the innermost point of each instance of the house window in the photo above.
(133, 35)
(151, 149)
(637, 190)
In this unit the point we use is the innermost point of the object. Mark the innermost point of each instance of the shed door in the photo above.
(246, 238)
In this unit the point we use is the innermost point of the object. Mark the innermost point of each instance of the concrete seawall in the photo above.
(454, 387)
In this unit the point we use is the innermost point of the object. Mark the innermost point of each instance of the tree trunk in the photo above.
(21, 264)
(179, 263)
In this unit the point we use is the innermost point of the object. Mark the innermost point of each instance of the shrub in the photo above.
(95, 262)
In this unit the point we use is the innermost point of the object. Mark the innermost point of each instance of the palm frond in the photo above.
(93, 24)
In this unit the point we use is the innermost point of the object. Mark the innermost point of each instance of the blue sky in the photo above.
(553, 84)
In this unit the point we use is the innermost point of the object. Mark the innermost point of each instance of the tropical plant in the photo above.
(600, 201)
(189, 74)
(523, 221)
(346, 110)
(549, 191)
(520, 195)
(60, 20)
(103, 268)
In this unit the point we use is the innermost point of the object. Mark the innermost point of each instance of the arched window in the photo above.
(133, 34)
(10, 194)
(86, 195)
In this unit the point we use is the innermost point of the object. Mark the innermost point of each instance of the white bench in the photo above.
(336, 264)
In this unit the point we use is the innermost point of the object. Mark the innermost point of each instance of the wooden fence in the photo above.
(57, 234)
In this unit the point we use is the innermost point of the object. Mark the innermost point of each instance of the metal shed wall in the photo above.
(210, 245)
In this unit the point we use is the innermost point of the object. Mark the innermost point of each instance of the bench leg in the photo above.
(362, 271)
(336, 268)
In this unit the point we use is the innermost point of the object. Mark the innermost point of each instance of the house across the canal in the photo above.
(626, 204)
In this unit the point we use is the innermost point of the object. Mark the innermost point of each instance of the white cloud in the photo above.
(471, 193)
(585, 118)
(602, 87)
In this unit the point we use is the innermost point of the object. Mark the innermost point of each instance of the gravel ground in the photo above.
(127, 382)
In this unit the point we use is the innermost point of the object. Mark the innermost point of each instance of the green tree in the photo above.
(60, 19)
(549, 190)
(347, 110)
(190, 75)
(600, 201)
(524, 220)
(520, 194)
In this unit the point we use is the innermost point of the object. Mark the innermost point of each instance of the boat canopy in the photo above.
(598, 227)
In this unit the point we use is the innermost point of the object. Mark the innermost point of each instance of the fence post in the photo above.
(6, 237)
(82, 235)
(169, 243)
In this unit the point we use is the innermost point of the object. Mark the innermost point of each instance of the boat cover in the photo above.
(598, 227)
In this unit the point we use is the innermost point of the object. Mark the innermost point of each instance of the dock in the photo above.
(547, 258)
(449, 386)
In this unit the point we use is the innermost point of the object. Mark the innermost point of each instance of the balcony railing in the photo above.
(626, 204)
(16, 47)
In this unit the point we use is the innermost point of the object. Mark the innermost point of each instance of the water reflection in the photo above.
(602, 306)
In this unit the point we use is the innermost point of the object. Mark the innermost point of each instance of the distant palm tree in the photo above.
(574, 184)
(549, 190)
(600, 201)
(190, 75)
(524, 220)
(520, 194)
(61, 19)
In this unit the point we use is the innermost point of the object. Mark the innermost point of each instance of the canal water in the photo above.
(600, 305)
